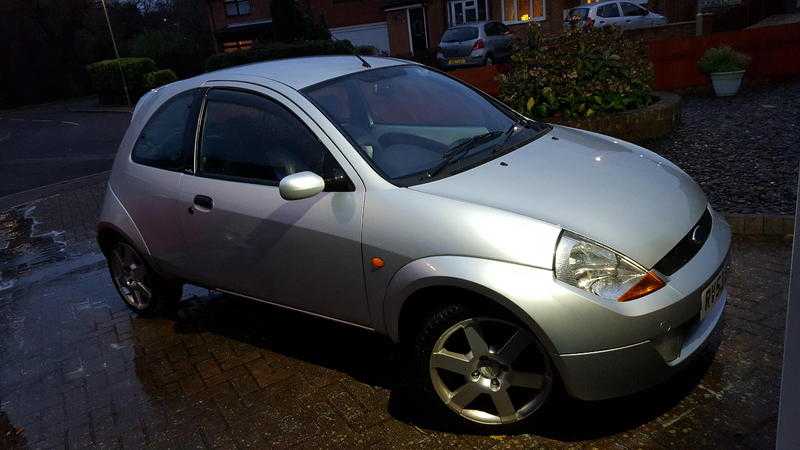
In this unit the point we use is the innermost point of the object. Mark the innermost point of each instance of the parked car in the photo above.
(625, 15)
(475, 44)
(509, 258)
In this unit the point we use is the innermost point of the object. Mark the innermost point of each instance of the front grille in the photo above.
(687, 247)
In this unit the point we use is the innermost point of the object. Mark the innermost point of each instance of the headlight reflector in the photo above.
(590, 266)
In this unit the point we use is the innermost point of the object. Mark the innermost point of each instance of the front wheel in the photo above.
(482, 368)
(141, 289)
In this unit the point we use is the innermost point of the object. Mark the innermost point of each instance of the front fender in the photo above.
(522, 290)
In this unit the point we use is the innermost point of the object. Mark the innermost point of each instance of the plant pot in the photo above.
(727, 83)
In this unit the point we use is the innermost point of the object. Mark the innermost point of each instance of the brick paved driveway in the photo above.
(78, 370)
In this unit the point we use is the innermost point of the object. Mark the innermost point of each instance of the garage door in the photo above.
(375, 34)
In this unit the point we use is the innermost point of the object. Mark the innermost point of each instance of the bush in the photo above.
(159, 78)
(106, 80)
(578, 74)
(278, 50)
(722, 59)
(367, 50)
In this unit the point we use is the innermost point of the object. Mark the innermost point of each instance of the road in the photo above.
(48, 144)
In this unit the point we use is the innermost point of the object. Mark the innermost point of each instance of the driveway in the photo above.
(78, 370)
(50, 143)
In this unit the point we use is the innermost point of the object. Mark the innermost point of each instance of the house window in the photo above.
(234, 46)
(237, 7)
(465, 11)
(515, 11)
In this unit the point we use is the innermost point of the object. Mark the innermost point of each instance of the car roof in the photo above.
(300, 73)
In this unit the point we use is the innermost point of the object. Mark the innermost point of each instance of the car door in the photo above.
(609, 15)
(242, 237)
(635, 16)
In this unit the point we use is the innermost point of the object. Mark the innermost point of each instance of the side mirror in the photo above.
(301, 185)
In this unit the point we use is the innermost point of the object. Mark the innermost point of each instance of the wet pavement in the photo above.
(77, 369)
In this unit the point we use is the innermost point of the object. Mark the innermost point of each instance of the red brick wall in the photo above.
(346, 13)
(259, 10)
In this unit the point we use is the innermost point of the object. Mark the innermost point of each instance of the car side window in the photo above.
(629, 9)
(608, 11)
(491, 29)
(168, 137)
(502, 29)
(247, 137)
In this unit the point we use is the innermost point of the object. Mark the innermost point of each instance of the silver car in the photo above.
(510, 258)
(474, 44)
(621, 14)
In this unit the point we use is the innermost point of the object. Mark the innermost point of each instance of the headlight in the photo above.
(601, 271)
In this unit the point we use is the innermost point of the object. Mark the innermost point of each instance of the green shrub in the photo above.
(159, 78)
(106, 79)
(367, 50)
(169, 49)
(578, 74)
(278, 50)
(722, 59)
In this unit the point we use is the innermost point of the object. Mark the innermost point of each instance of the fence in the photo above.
(775, 52)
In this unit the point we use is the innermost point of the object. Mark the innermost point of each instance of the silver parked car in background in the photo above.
(621, 14)
(510, 258)
(474, 44)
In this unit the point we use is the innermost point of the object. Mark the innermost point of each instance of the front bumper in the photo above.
(662, 339)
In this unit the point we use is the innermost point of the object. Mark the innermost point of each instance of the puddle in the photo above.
(22, 250)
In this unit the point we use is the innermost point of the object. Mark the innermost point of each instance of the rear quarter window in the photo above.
(168, 137)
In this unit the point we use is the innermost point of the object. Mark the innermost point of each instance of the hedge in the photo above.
(107, 82)
(577, 74)
(158, 78)
(278, 50)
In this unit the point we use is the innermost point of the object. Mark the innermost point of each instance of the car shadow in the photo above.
(375, 360)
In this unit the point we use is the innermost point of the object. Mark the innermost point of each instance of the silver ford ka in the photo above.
(510, 258)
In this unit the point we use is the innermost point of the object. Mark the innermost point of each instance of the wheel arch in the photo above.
(427, 283)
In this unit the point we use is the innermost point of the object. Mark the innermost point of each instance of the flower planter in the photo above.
(727, 83)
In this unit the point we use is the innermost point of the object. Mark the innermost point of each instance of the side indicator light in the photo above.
(377, 262)
(649, 283)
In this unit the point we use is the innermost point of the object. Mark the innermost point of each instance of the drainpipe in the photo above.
(212, 24)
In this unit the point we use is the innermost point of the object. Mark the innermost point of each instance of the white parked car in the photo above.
(625, 15)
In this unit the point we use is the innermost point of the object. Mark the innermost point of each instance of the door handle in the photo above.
(202, 203)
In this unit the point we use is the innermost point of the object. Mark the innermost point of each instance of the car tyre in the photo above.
(489, 60)
(479, 369)
(142, 289)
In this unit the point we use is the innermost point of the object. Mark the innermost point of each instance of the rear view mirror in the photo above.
(301, 185)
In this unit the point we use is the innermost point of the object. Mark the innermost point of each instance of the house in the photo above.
(397, 27)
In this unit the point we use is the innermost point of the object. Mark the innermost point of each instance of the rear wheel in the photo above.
(489, 60)
(141, 289)
(481, 367)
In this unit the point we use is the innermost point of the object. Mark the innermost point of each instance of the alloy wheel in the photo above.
(490, 371)
(130, 275)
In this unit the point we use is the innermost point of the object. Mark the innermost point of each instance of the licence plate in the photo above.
(713, 292)
(454, 61)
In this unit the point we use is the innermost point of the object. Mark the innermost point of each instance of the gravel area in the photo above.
(743, 150)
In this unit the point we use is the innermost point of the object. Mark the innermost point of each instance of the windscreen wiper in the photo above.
(461, 149)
